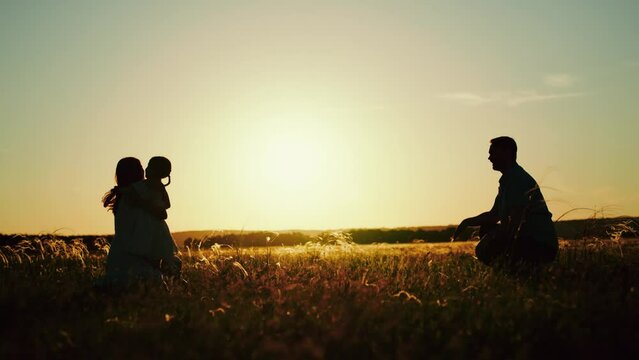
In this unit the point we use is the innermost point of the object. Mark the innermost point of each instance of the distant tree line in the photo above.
(570, 229)
(358, 236)
(250, 239)
(603, 228)
(370, 236)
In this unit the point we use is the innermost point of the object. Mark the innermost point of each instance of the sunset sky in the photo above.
(314, 114)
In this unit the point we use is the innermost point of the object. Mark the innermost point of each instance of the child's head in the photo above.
(159, 167)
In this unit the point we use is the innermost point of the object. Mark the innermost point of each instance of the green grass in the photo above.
(325, 301)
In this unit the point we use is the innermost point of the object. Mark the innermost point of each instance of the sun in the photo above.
(291, 161)
(288, 165)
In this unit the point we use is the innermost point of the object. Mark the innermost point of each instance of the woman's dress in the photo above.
(129, 260)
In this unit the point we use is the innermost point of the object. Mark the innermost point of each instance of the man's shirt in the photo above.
(517, 189)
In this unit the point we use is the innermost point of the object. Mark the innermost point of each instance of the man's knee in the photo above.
(530, 251)
(492, 245)
(546, 253)
(482, 254)
(487, 250)
(487, 230)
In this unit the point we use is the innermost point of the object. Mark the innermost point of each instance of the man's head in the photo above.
(502, 153)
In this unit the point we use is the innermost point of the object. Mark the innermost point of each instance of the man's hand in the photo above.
(460, 228)
(488, 217)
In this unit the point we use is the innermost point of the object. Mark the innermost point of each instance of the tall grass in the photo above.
(326, 299)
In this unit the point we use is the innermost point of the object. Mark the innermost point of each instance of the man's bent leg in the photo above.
(491, 246)
(527, 250)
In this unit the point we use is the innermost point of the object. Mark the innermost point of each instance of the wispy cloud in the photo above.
(516, 98)
(533, 96)
(510, 99)
(560, 80)
(468, 98)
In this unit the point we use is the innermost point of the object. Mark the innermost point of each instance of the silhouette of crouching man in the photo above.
(519, 227)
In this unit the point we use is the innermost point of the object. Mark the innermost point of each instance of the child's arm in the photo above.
(156, 192)
(155, 208)
(165, 197)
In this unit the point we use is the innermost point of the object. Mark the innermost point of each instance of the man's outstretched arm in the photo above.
(489, 217)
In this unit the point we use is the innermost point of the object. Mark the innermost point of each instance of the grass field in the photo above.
(324, 301)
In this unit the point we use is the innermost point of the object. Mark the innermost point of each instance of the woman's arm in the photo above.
(155, 208)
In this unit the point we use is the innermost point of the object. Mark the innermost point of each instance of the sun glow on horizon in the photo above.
(288, 165)
(291, 160)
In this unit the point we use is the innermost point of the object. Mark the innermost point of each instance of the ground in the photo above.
(324, 301)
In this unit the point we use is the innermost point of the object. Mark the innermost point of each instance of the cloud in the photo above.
(507, 98)
(533, 96)
(468, 98)
(560, 80)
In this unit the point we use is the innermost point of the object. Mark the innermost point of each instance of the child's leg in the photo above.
(176, 265)
(172, 266)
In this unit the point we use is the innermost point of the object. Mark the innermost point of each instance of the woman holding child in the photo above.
(142, 248)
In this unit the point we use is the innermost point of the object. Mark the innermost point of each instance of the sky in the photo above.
(314, 114)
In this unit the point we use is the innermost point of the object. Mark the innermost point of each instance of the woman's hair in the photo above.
(161, 167)
(128, 171)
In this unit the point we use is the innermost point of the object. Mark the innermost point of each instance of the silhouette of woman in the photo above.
(124, 265)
